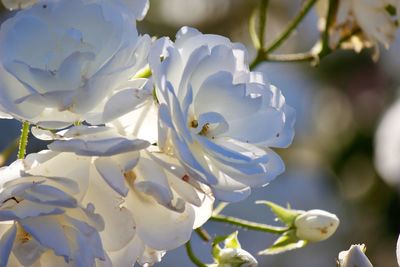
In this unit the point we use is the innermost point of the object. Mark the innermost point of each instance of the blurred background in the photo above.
(331, 164)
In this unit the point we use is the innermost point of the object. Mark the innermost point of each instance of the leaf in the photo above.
(287, 216)
(286, 242)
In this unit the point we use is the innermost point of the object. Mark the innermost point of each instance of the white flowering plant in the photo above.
(145, 135)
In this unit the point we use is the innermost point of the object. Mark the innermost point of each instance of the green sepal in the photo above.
(230, 241)
(286, 242)
(285, 215)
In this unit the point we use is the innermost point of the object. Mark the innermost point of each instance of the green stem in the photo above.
(329, 20)
(296, 57)
(263, 22)
(258, 37)
(263, 55)
(202, 233)
(291, 26)
(249, 225)
(193, 257)
(23, 141)
(221, 206)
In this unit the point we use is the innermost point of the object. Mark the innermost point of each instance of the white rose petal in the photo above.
(148, 201)
(46, 219)
(218, 118)
(85, 51)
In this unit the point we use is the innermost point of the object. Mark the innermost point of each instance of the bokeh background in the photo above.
(330, 165)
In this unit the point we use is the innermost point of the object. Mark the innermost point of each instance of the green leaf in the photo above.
(285, 215)
(286, 242)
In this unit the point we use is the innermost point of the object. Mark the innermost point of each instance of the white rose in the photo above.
(316, 225)
(148, 202)
(218, 118)
(61, 60)
(355, 256)
(43, 224)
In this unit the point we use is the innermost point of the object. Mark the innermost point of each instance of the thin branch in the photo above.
(258, 36)
(221, 206)
(263, 54)
(263, 22)
(330, 16)
(291, 26)
(193, 257)
(249, 225)
(296, 57)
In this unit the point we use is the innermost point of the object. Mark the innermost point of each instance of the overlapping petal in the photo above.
(43, 215)
(218, 118)
(78, 64)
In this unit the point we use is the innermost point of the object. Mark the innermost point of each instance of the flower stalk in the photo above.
(196, 261)
(263, 54)
(23, 141)
(333, 4)
(249, 225)
(258, 36)
(291, 26)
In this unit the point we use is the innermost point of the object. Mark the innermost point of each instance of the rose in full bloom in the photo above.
(61, 60)
(218, 118)
(43, 223)
(148, 202)
(369, 18)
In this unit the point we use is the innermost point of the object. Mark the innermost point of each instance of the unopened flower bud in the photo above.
(238, 257)
(316, 225)
(355, 256)
(232, 254)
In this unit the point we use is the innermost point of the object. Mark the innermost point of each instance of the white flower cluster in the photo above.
(161, 129)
